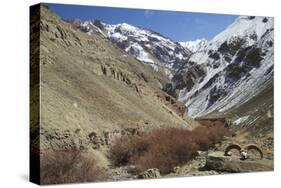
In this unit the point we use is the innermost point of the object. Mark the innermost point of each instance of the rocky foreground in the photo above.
(211, 162)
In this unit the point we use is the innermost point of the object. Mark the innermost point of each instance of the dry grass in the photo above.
(164, 148)
(69, 166)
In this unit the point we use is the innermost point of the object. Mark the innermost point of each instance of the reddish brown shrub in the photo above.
(216, 133)
(208, 136)
(167, 154)
(128, 148)
(201, 138)
(164, 148)
(69, 166)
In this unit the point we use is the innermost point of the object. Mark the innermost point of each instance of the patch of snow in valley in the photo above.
(240, 120)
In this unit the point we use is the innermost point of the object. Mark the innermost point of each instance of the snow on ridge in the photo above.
(140, 52)
(127, 28)
(195, 45)
(118, 36)
(249, 26)
(141, 55)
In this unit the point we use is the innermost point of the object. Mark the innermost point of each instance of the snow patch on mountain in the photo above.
(141, 55)
(195, 46)
(240, 120)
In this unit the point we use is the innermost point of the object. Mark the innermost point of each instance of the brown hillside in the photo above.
(90, 89)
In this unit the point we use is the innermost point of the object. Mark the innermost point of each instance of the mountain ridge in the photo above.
(146, 45)
(238, 58)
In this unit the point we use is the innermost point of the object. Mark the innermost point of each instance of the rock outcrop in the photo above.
(218, 162)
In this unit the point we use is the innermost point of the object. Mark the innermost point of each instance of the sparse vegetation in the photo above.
(69, 166)
(164, 148)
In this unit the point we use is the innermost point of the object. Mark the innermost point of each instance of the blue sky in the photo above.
(178, 26)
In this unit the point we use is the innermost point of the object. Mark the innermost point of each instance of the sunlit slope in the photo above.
(89, 85)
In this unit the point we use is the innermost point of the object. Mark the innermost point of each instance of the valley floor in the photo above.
(199, 167)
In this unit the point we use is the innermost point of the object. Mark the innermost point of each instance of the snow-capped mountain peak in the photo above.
(236, 65)
(251, 28)
(147, 46)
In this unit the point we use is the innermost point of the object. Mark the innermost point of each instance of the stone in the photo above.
(218, 162)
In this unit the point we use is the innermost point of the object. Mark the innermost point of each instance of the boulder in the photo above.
(218, 162)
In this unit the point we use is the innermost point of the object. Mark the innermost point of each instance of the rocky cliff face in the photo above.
(233, 68)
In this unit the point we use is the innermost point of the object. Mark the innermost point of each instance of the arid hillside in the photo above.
(92, 90)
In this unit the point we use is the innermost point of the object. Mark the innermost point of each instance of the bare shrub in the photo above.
(127, 148)
(166, 154)
(201, 137)
(69, 166)
(164, 148)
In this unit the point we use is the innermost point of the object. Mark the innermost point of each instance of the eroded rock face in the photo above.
(185, 79)
(218, 162)
(82, 139)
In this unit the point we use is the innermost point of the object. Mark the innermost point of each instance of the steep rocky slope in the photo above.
(92, 90)
(236, 66)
